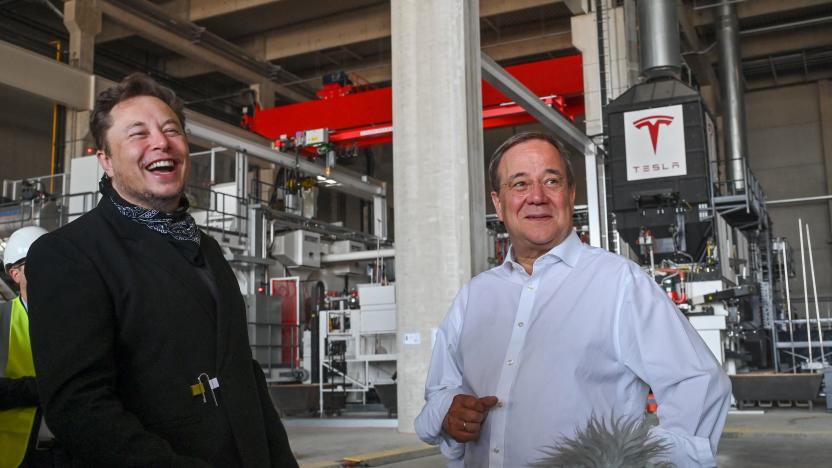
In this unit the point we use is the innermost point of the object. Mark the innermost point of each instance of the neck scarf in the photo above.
(178, 227)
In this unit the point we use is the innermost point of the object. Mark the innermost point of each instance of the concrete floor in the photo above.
(795, 438)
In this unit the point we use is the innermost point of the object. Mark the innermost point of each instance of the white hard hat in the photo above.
(19, 242)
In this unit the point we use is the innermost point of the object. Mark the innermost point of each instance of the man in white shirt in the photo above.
(559, 332)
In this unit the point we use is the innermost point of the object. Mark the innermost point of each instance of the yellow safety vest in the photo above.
(16, 423)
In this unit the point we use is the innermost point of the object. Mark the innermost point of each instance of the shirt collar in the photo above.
(567, 251)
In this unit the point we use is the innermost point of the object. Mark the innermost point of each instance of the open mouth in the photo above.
(163, 166)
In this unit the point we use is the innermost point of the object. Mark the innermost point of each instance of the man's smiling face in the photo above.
(538, 217)
(148, 153)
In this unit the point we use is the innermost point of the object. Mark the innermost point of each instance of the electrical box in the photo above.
(378, 308)
(346, 246)
(298, 248)
(317, 137)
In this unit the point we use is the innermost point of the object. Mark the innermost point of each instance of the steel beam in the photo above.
(495, 75)
(342, 30)
(209, 132)
(58, 82)
(756, 8)
(201, 47)
(555, 38)
(190, 10)
(42, 76)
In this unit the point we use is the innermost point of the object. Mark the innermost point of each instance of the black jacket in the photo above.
(122, 326)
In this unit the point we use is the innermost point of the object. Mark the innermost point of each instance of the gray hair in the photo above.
(621, 444)
(523, 137)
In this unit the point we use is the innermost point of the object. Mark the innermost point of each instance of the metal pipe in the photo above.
(815, 293)
(799, 200)
(733, 106)
(787, 26)
(658, 31)
(788, 304)
(358, 256)
(805, 291)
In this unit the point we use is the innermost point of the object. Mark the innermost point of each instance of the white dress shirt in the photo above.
(586, 334)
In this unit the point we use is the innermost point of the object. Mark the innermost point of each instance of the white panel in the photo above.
(655, 142)
(85, 172)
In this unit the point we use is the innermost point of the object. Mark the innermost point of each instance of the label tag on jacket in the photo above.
(199, 387)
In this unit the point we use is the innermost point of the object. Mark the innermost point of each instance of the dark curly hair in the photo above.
(135, 84)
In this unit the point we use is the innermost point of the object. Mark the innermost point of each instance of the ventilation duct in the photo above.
(733, 105)
(658, 31)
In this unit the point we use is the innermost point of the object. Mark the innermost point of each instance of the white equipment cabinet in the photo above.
(368, 335)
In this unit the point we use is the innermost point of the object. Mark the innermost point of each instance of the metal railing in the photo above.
(48, 212)
(29, 188)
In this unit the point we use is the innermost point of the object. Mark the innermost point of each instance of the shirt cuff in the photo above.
(428, 424)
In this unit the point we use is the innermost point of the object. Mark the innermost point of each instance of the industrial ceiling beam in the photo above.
(42, 76)
(554, 38)
(513, 89)
(786, 78)
(58, 82)
(193, 42)
(210, 132)
(695, 55)
(339, 30)
(187, 10)
(756, 8)
(782, 42)
(509, 47)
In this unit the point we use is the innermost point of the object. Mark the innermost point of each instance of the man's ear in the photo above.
(105, 162)
(495, 199)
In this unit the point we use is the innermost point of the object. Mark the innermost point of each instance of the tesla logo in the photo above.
(653, 123)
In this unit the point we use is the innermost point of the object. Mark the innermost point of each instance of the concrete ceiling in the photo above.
(304, 40)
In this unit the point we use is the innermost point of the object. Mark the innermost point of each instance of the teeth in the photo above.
(159, 164)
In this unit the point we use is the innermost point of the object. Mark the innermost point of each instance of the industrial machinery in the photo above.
(285, 261)
(357, 342)
(697, 222)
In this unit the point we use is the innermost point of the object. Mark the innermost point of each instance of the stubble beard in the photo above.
(150, 200)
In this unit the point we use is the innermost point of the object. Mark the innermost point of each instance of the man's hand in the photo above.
(466, 415)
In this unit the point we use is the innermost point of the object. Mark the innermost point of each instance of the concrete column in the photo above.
(438, 175)
(83, 20)
(264, 93)
(618, 59)
(825, 103)
(265, 90)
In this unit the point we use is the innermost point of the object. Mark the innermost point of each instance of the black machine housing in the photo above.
(676, 209)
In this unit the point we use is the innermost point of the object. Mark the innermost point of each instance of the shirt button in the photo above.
(499, 404)
(530, 287)
(520, 324)
(510, 362)
(496, 449)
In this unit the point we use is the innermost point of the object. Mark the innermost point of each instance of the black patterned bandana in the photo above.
(179, 225)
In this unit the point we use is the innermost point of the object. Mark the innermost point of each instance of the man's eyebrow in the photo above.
(516, 175)
(171, 121)
(132, 125)
(524, 174)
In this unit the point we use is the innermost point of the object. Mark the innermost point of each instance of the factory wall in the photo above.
(25, 133)
(786, 154)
